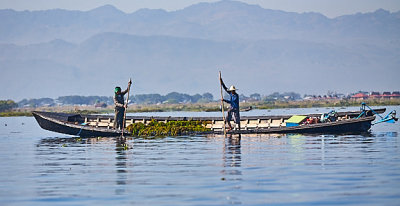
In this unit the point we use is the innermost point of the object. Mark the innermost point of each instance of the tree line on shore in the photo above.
(6, 105)
(151, 99)
(158, 103)
(170, 98)
(173, 97)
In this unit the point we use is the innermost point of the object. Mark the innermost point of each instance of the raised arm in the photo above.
(126, 90)
(223, 85)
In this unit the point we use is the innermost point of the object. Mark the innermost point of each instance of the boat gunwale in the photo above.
(171, 118)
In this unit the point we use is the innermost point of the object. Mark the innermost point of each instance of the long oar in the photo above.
(222, 105)
(127, 100)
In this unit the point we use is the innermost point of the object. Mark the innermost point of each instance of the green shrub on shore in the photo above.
(15, 114)
(6, 105)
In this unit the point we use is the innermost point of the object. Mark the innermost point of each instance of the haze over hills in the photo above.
(58, 52)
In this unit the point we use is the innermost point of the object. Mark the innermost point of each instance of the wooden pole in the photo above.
(127, 100)
(222, 104)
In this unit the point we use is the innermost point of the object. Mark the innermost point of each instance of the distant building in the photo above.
(375, 95)
(396, 94)
(100, 105)
(359, 96)
(386, 95)
(309, 97)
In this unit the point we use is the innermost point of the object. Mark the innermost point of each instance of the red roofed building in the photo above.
(375, 95)
(386, 95)
(395, 95)
(359, 96)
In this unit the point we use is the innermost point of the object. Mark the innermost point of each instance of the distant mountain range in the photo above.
(58, 52)
(224, 20)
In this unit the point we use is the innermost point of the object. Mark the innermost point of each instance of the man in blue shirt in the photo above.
(234, 102)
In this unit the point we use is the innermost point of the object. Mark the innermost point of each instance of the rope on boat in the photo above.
(83, 125)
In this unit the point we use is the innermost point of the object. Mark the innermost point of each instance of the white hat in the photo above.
(232, 88)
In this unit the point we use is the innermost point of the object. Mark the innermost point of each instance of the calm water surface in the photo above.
(44, 168)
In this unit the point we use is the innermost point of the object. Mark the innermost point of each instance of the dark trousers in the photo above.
(119, 117)
(236, 116)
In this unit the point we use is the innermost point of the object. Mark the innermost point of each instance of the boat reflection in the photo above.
(232, 157)
(232, 171)
(121, 164)
(71, 155)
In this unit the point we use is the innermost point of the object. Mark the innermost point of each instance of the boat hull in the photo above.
(56, 125)
(353, 126)
(101, 125)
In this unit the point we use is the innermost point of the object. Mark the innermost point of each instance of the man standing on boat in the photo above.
(234, 102)
(120, 106)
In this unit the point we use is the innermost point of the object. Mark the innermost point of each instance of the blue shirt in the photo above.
(234, 98)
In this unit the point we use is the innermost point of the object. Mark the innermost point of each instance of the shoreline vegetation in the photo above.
(200, 107)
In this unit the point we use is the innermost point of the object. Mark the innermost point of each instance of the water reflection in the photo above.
(121, 164)
(232, 161)
(386, 134)
(232, 155)
(351, 169)
(70, 160)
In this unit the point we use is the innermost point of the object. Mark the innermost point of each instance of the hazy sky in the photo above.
(330, 8)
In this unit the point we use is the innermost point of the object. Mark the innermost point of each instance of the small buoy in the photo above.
(23, 123)
(5, 125)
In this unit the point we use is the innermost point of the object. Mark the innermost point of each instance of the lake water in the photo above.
(39, 167)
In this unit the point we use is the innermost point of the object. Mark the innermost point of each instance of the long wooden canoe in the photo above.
(102, 125)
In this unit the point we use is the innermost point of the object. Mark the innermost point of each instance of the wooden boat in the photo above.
(102, 125)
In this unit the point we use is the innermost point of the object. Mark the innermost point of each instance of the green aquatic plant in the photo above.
(171, 128)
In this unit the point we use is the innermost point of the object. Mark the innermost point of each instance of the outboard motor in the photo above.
(389, 118)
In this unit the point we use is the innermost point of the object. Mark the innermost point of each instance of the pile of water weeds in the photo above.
(171, 128)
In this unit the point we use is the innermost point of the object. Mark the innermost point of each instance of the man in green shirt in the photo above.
(120, 106)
